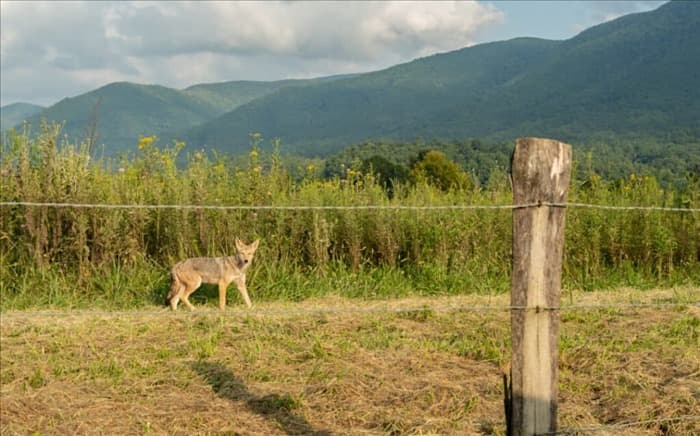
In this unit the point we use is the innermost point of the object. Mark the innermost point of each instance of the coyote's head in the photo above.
(246, 252)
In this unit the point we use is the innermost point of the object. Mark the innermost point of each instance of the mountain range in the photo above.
(13, 114)
(636, 76)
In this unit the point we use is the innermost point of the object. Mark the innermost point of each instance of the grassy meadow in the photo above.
(343, 366)
(120, 258)
(358, 325)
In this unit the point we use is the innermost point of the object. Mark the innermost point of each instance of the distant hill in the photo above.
(393, 103)
(116, 114)
(13, 114)
(119, 112)
(227, 96)
(637, 76)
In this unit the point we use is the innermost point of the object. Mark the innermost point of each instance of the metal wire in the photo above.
(354, 207)
(262, 207)
(336, 310)
(607, 207)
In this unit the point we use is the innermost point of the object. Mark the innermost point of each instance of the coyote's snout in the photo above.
(188, 275)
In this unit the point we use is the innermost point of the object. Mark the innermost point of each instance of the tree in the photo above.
(387, 173)
(436, 169)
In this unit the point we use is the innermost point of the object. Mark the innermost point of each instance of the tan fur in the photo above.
(188, 275)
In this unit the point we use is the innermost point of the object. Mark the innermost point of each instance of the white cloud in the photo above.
(357, 30)
(77, 46)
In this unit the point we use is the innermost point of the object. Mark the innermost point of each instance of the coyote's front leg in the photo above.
(240, 284)
(222, 295)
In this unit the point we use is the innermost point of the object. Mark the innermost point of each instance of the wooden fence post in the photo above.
(541, 170)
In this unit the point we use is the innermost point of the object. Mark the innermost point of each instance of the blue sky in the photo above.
(50, 50)
(558, 19)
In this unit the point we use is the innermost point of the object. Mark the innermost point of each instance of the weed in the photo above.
(118, 259)
(37, 380)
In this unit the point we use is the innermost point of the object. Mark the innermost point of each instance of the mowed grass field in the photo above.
(343, 366)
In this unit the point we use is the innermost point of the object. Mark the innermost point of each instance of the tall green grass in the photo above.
(65, 257)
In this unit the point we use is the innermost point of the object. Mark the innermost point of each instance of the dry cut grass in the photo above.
(354, 372)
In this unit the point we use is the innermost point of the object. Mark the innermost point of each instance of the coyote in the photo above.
(188, 275)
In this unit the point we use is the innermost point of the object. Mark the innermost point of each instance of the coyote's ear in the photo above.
(255, 244)
(239, 243)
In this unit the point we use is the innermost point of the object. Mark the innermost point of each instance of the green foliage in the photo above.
(98, 256)
(435, 168)
(386, 173)
(672, 163)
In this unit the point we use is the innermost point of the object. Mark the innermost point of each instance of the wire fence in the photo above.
(342, 310)
(327, 311)
(349, 207)
(319, 311)
(346, 310)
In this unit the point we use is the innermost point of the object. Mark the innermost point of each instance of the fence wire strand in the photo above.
(353, 207)
(331, 310)
(262, 207)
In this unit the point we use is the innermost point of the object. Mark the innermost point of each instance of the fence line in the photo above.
(262, 207)
(607, 207)
(341, 310)
(355, 207)
(373, 310)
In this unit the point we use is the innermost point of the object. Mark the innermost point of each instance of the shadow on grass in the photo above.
(276, 407)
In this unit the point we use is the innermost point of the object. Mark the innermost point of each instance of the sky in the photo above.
(57, 49)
